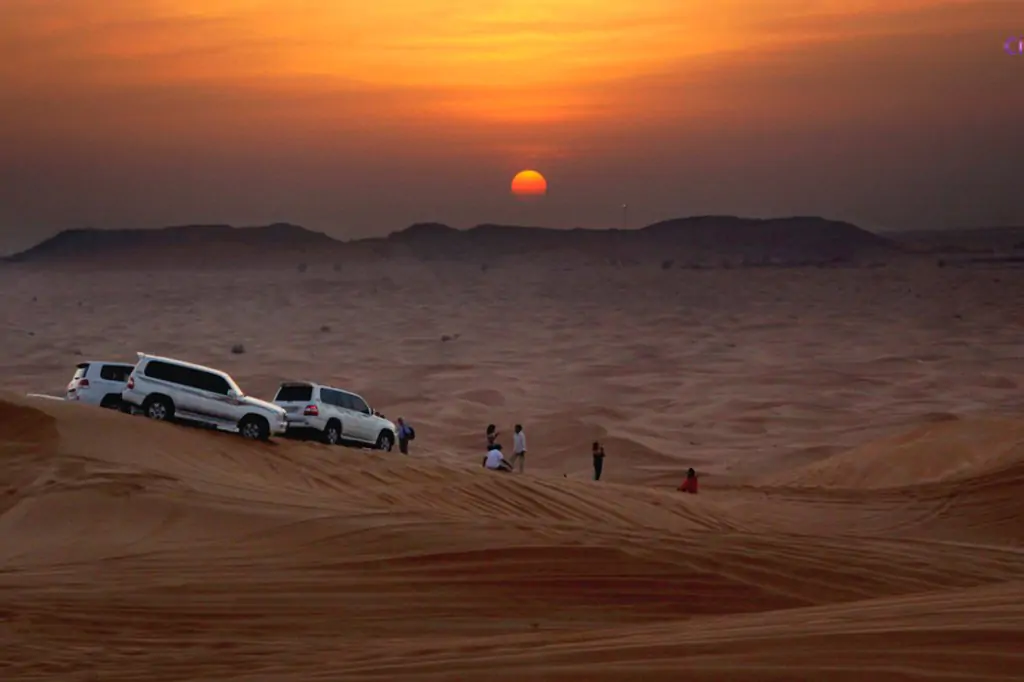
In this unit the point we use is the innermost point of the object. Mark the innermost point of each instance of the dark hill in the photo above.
(425, 232)
(699, 241)
(773, 240)
(184, 242)
(710, 240)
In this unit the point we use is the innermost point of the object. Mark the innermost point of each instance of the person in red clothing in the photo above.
(689, 484)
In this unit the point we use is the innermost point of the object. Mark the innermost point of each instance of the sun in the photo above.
(529, 184)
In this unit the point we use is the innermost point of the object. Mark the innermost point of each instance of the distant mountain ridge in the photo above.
(698, 240)
(90, 241)
(709, 240)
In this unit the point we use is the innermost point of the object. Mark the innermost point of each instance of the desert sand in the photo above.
(859, 435)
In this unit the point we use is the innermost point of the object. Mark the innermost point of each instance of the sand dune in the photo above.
(946, 450)
(859, 436)
(136, 542)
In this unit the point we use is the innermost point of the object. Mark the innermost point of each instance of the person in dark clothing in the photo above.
(492, 435)
(598, 452)
(405, 434)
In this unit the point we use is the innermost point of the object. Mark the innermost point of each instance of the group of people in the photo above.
(495, 458)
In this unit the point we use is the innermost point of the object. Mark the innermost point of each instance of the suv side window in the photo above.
(358, 404)
(345, 401)
(210, 382)
(331, 397)
(165, 371)
(115, 372)
(186, 376)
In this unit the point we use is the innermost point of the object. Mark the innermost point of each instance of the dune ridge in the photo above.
(289, 560)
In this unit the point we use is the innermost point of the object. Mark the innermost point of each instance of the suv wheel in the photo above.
(159, 408)
(332, 433)
(254, 428)
(385, 441)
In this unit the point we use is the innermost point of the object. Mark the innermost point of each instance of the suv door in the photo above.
(361, 415)
(213, 396)
(192, 390)
(333, 405)
(173, 380)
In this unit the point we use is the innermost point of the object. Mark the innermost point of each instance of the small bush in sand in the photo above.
(302, 267)
(667, 264)
(237, 349)
(325, 328)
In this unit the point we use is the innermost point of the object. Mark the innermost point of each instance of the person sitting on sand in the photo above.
(495, 461)
(689, 484)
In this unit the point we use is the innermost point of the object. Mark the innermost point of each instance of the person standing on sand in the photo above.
(405, 434)
(598, 453)
(519, 447)
(492, 435)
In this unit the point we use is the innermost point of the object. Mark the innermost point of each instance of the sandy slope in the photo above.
(861, 517)
(198, 555)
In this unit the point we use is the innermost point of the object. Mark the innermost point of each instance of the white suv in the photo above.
(335, 415)
(99, 383)
(165, 389)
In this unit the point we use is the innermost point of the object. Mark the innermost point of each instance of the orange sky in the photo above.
(430, 99)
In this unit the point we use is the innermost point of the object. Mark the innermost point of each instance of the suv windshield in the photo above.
(297, 393)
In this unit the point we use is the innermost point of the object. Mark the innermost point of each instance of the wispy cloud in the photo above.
(527, 62)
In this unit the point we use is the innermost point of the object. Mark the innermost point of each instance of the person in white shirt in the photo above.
(495, 461)
(518, 448)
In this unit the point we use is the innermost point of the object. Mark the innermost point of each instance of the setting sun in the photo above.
(529, 183)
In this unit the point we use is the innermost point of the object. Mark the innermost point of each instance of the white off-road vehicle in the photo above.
(334, 415)
(169, 389)
(99, 383)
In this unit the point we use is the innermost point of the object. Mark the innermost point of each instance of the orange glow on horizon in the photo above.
(529, 183)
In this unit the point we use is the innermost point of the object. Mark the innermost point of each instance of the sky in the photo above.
(360, 118)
